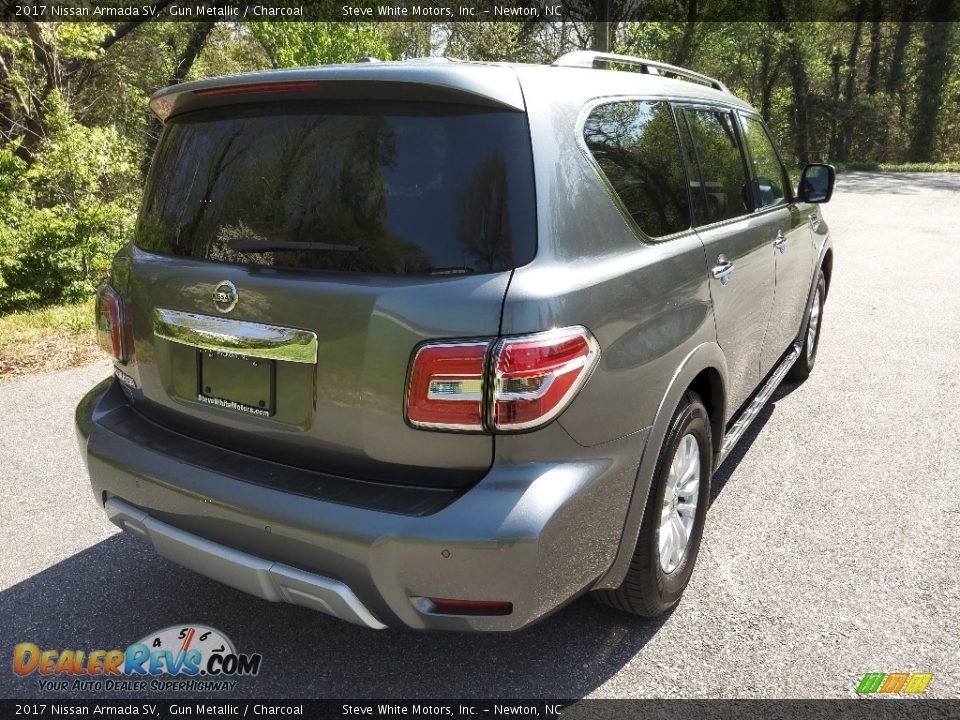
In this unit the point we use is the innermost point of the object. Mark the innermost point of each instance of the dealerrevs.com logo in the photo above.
(187, 658)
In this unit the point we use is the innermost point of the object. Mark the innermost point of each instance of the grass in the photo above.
(51, 338)
(898, 167)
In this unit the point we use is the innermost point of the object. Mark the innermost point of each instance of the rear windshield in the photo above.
(344, 186)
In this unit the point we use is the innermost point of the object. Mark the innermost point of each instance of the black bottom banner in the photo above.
(865, 709)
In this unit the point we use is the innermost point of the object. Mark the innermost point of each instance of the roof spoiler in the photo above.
(440, 81)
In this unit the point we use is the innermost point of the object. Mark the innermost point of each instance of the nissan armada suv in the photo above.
(445, 345)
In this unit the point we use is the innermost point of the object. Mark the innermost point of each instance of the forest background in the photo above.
(879, 90)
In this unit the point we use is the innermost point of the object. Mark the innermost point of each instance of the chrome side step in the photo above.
(749, 414)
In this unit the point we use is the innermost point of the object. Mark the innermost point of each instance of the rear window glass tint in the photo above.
(635, 145)
(365, 187)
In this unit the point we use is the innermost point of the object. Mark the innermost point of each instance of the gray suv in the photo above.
(445, 345)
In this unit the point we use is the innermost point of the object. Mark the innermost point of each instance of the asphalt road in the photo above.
(831, 548)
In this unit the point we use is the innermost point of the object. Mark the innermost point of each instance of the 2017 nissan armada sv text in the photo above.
(445, 345)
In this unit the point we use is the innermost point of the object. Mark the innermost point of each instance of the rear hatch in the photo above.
(292, 251)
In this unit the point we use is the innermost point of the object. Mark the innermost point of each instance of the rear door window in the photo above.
(635, 145)
(359, 186)
(724, 180)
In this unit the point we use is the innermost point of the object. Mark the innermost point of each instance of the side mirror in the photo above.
(816, 183)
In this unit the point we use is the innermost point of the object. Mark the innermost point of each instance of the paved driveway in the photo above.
(831, 548)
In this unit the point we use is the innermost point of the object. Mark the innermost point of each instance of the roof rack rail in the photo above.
(591, 59)
(432, 59)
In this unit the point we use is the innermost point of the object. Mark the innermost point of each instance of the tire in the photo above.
(653, 586)
(812, 326)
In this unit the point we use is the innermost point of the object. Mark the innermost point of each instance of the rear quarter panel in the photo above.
(648, 304)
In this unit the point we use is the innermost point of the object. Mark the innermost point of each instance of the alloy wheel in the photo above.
(679, 510)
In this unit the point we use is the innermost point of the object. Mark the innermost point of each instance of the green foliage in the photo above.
(14, 206)
(63, 217)
(296, 44)
(80, 41)
(74, 139)
(496, 42)
(897, 167)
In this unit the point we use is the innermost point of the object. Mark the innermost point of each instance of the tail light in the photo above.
(514, 384)
(446, 386)
(535, 377)
(111, 331)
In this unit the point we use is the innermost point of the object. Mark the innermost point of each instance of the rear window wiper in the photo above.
(254, 245)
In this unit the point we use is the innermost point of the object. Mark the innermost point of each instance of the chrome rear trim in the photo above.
(271, 342)
(736, 432)
(266, 579)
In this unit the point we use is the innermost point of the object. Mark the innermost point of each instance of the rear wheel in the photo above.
(669, 539)
(811, 334)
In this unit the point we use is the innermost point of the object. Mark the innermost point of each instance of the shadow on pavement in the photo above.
(117, 591)
(729, 467)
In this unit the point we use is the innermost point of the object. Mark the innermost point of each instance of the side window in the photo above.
(701, 213)
(721, 163)
(769, 177)
(635, 144)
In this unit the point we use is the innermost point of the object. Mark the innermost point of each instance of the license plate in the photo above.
(237, 382)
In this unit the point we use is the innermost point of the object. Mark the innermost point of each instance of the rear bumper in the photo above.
(533, 533)
(269, 580)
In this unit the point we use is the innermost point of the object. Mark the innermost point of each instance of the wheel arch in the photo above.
(703, 370)
(827, 265)
(709, 385)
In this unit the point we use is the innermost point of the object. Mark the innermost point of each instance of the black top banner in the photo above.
(615, 11)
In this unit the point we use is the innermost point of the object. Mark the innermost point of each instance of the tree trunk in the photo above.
(850, 90)
(10, 98)
(800, 107)
(46, 56)
(933, 79)
(601, 36)
(600, 41)
(895, 73)
(771, 62)
(836, 61)
(766, 60)
(873, 69)
(682, 56)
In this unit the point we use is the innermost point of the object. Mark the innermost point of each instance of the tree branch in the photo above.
(45, 55)
(119, 32)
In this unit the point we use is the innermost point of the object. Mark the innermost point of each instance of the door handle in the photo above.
(721, 271)
(780, 243)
